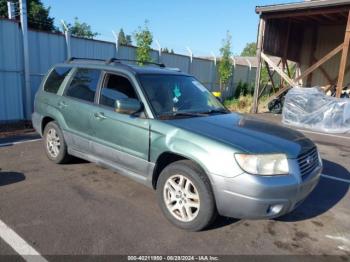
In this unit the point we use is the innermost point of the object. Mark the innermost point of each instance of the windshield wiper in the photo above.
(216, 111)
(174, 114)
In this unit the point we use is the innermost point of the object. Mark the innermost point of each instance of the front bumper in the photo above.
(257, 197)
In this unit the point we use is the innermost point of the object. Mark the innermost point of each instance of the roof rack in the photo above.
(119, 60)
(71, 59)
(112, 60)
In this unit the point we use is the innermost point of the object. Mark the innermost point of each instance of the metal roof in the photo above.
(300, 6)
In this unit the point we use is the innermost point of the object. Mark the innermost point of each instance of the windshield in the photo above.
(178, 94)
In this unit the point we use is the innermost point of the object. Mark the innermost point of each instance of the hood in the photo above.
(247, 134)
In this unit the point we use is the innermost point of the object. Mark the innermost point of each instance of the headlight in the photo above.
(265, 165)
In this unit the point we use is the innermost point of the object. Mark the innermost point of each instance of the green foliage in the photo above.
(225, 64)
(264, 76)
(243, 89)
(3, 8)
(144, 38)
(38, 15)
(249, 49)
(80, 29)
(124, 39)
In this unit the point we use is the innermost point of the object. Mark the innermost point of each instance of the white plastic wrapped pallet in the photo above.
(311, 108)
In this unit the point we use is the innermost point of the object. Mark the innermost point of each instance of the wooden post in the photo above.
(258, 70)
(343, 59)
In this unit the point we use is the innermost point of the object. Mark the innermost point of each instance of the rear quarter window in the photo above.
(55, 79)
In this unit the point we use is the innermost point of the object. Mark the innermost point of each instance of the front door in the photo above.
(120, 138)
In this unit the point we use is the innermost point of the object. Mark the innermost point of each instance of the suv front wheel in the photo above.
(185, 196)
(55, 146)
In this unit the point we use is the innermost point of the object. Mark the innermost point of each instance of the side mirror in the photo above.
(128, 106)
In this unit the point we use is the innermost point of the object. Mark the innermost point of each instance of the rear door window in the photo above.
(55, 79)
(84, 84)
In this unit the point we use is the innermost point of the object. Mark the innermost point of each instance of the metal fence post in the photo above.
(213, 72)
(191, 59)
(28, 91)
(116, 44)
(249, 71)
(67, 37)
(159, 51)
(11, 10)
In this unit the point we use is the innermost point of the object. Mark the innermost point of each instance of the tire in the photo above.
(195, 185)
(60, 155)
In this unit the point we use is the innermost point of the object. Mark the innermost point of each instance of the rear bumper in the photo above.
(36, 122)
(255, 197)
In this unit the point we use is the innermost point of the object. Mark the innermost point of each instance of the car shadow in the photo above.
(326, 195)
(76, 160)
(7, 178)
(221, 221)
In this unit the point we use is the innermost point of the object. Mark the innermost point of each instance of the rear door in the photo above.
(76, 106)
(120, 138)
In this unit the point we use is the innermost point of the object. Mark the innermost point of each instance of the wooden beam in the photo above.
(259, 49)
(307, 71)
(343, 59)
(317, 19)
(277, 69)
(306, 13)
(271, 74)
(320, 62)
(324, 72)
(288, 70)
(330, 17)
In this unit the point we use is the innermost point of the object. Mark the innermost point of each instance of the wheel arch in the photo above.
(167, 158)
(45, 121)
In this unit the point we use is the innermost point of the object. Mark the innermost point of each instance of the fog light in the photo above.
(274, 209)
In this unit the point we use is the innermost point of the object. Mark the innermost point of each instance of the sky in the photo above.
(198, 24)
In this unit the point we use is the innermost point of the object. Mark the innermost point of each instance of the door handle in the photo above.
(100, 116)
(62, 104)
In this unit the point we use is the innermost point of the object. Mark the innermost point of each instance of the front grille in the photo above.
(308, 161)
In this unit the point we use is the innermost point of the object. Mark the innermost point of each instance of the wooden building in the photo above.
(313, 34)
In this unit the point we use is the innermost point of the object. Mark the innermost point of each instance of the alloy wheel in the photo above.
(53, 143)
(181, 198)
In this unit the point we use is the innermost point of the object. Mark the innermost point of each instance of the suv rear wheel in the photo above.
(185, 196)
(55, 146)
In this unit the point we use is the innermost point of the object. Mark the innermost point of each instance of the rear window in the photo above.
(55, 79)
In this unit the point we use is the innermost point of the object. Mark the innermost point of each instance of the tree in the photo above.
(225, 64)
(144, 39)
(166, 50)
(38, 15)
(80, 29)
(249, 49)
(124, 39)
